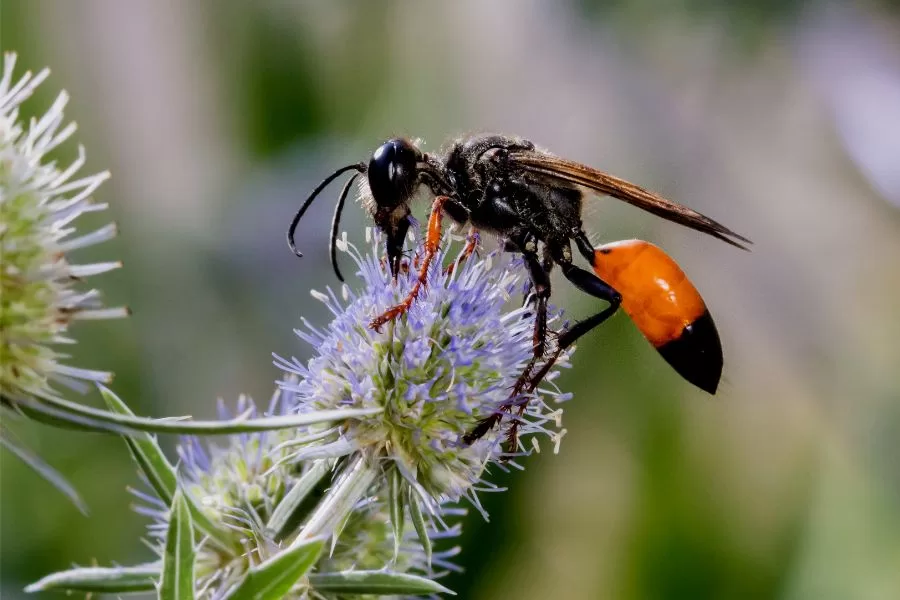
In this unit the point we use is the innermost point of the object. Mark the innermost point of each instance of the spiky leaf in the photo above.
(106, 580)
(283, 515)
(177, 581)
(418, 519)
(50, 475)
(377, 583)
(275, 577)
(161, 474)
(395, 501)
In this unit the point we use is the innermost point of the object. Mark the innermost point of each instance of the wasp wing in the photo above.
(551, 167)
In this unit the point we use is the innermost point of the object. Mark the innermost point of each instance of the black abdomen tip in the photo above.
(697, 353)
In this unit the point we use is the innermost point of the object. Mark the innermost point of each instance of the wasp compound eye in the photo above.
(392, 172)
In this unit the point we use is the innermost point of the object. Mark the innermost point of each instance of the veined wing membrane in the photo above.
(552, 167)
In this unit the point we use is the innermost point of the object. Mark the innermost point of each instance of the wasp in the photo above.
(532, 201)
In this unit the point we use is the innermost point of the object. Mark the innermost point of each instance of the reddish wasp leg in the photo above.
(512, 436)
(485, 425)
(432, 243)
(526, 381)
(540, 277)
(586, 282)
(514, 401)
(528, 385)
(488, 423)
(525, 378)
(471, 246)
(565, 339)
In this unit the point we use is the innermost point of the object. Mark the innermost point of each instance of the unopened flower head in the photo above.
(438, 370)
(245, 486)
(39, 202)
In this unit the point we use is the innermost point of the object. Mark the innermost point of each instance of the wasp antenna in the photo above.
(359, 167)
(336, 223)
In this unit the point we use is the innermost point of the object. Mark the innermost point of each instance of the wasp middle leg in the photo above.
(472, 240)
(585, 281)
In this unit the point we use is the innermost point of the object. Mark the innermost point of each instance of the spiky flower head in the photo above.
(40, 295)
(437, 371)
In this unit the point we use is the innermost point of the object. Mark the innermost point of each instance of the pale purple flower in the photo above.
(436, 371)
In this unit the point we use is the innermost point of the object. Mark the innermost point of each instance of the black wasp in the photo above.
(532, 201)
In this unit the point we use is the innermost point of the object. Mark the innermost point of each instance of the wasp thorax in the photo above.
(392, 172)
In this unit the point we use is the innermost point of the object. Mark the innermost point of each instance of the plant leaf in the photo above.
(162, 477)
(375, 583)
(177, 581)
(283, 515)
(395, 501)
(275, 577)
(48, 473)
(112, 580)
(418, 519)
(91, 418)
(39, 411)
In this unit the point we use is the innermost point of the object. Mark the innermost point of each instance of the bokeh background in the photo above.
(779, 118)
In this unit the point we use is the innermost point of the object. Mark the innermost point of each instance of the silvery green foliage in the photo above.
(40, 289)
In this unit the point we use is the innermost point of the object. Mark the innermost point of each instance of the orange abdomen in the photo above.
(656, 293)
(665, 306)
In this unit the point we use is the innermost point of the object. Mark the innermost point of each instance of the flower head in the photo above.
(438, 370)
(39, 202)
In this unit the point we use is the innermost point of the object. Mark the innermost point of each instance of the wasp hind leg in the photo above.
(528, 382)
(538, 296)
(590, 284)
(566, 339)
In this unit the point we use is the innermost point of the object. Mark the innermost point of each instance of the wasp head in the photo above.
(393, 177)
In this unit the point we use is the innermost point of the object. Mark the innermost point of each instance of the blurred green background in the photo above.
(781, 119)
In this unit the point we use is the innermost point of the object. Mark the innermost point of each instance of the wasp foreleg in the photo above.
(432, 244)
